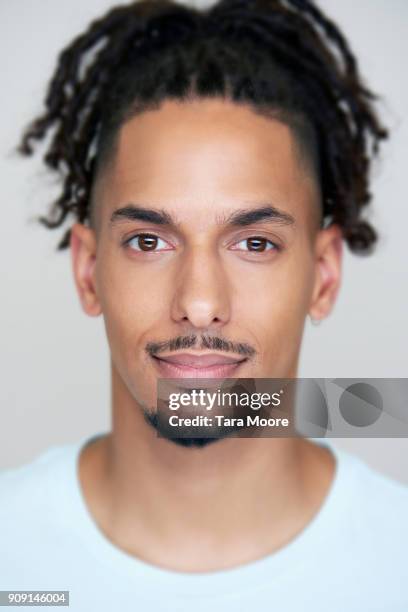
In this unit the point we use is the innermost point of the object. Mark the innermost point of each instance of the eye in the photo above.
(258, 244)
(144, 242)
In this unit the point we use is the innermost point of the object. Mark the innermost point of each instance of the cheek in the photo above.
(274, 305)
(131, 302)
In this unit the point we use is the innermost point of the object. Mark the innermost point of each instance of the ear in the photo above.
(83, 257)
(328, 254)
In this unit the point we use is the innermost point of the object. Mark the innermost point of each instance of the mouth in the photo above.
(189, 365)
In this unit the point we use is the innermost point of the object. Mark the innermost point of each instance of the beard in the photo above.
(234, 421)
(164, 430)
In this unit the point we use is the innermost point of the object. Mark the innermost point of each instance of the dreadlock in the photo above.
(283, 57)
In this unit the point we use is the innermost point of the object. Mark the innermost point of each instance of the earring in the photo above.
(315, 322)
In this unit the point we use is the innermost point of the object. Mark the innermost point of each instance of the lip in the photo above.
(188, 365)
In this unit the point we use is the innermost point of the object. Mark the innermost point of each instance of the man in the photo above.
(213, 172)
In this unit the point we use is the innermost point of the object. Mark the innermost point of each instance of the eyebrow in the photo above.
(238, 218)
(248, 216)
(133, 212)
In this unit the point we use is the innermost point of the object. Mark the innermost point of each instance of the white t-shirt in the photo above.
(352, 557)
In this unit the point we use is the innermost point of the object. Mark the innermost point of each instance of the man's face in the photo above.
(250, 285)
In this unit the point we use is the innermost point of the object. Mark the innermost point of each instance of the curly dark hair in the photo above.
(283, 57)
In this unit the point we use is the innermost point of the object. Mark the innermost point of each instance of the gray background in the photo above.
(55, 360)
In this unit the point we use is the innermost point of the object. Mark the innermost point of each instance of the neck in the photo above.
(234, 500)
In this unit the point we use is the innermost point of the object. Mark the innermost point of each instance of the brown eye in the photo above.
(147, 242)
(143, 242)
(257, 244)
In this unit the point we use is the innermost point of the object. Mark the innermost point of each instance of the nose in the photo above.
(201, 296)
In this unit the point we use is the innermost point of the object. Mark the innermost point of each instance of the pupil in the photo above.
(147, 243)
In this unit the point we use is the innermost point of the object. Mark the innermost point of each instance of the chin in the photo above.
(186, 441)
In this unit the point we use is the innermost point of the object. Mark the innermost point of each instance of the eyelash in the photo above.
(126, 243)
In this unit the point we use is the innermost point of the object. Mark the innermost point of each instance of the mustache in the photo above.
(209, 342)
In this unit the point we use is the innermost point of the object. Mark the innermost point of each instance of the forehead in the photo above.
(206, 156)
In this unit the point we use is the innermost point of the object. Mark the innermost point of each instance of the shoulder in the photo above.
(376, 491)
(377, 510)
(30, 492)
(35, 516)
